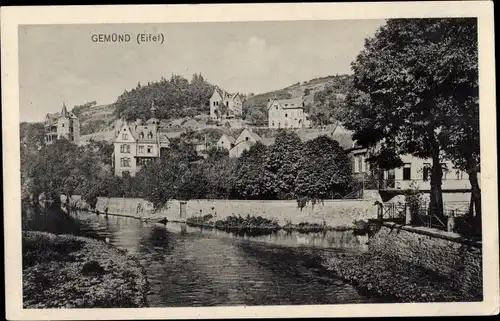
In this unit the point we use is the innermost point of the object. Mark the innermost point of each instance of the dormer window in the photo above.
(150, 135)
(141, 135)
(124, 136)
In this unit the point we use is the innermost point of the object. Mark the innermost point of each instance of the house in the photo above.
(286, 113)
(137, 144)
(226, 141)
(247, 135)
(246, 139)
(414, 174)
(239, 148)
(62, 125)
(225, 105)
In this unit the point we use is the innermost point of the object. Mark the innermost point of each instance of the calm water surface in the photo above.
(193, 267)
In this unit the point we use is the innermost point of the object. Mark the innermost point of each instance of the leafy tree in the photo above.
(256, 117)
(250, 176)
(173, 98)
(324, 170)
(281, 163)
(405, 88)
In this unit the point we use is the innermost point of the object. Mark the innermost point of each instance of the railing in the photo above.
(402, 184)
(453, 219)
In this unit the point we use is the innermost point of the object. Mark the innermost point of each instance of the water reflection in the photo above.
(194, 267)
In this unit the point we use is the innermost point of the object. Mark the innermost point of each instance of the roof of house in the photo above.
(252, 134)
(344, 137)
(230, 138)
(243, 144)
(51, 118)
(145, 133)
(291, 103)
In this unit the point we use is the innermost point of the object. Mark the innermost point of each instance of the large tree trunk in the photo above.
(436, 197)
(475, 195)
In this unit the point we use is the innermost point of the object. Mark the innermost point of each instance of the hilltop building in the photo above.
(225, 105)
(286, 113)
(62, 125)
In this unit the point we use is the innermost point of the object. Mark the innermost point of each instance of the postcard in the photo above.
(250, 160)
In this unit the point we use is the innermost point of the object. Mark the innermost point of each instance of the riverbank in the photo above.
(64, 271)
(389, 277)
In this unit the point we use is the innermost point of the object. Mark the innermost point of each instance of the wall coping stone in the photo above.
(450, 236)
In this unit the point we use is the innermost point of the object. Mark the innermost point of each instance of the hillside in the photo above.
(321, 97)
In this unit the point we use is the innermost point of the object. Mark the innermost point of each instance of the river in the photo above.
(193, 267)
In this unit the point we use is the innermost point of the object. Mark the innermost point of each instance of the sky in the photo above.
(60, 63)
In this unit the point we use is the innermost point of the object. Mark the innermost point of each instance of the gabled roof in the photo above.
(130, 129)
(291, 103)
(230, 138)
(344, 137)
(250, 133)
(163, 138)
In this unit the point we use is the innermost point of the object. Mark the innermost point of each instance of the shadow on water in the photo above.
(189, 266)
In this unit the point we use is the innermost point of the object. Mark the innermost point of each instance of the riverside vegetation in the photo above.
(65, 271)
(258, 225)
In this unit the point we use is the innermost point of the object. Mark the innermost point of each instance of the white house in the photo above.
(245, 140)
(137, 144)
(286, 113)
(226, 141)
(225, 105)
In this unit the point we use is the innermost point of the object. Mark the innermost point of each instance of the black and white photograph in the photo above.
(247, 162)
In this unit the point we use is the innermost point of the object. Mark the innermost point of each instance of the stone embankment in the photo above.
(64, 271)
(410, 264)
(334, 213)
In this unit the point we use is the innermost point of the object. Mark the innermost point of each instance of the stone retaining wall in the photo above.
(332, 212)
(447, 254)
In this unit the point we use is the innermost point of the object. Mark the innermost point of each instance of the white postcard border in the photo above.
(11, 17)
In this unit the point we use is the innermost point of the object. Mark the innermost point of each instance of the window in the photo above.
(426, 171)
(407, 172)
(63, 125)
(276, 107)
(150, 149)
(273, 123)
(150, 135)
(125, 148)
(246, 138)
(124, 136)
(356, 165)
(360, 163)
(141, 150)
(286, 105)
(460, 174)
(141, 135)
(125, 162)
